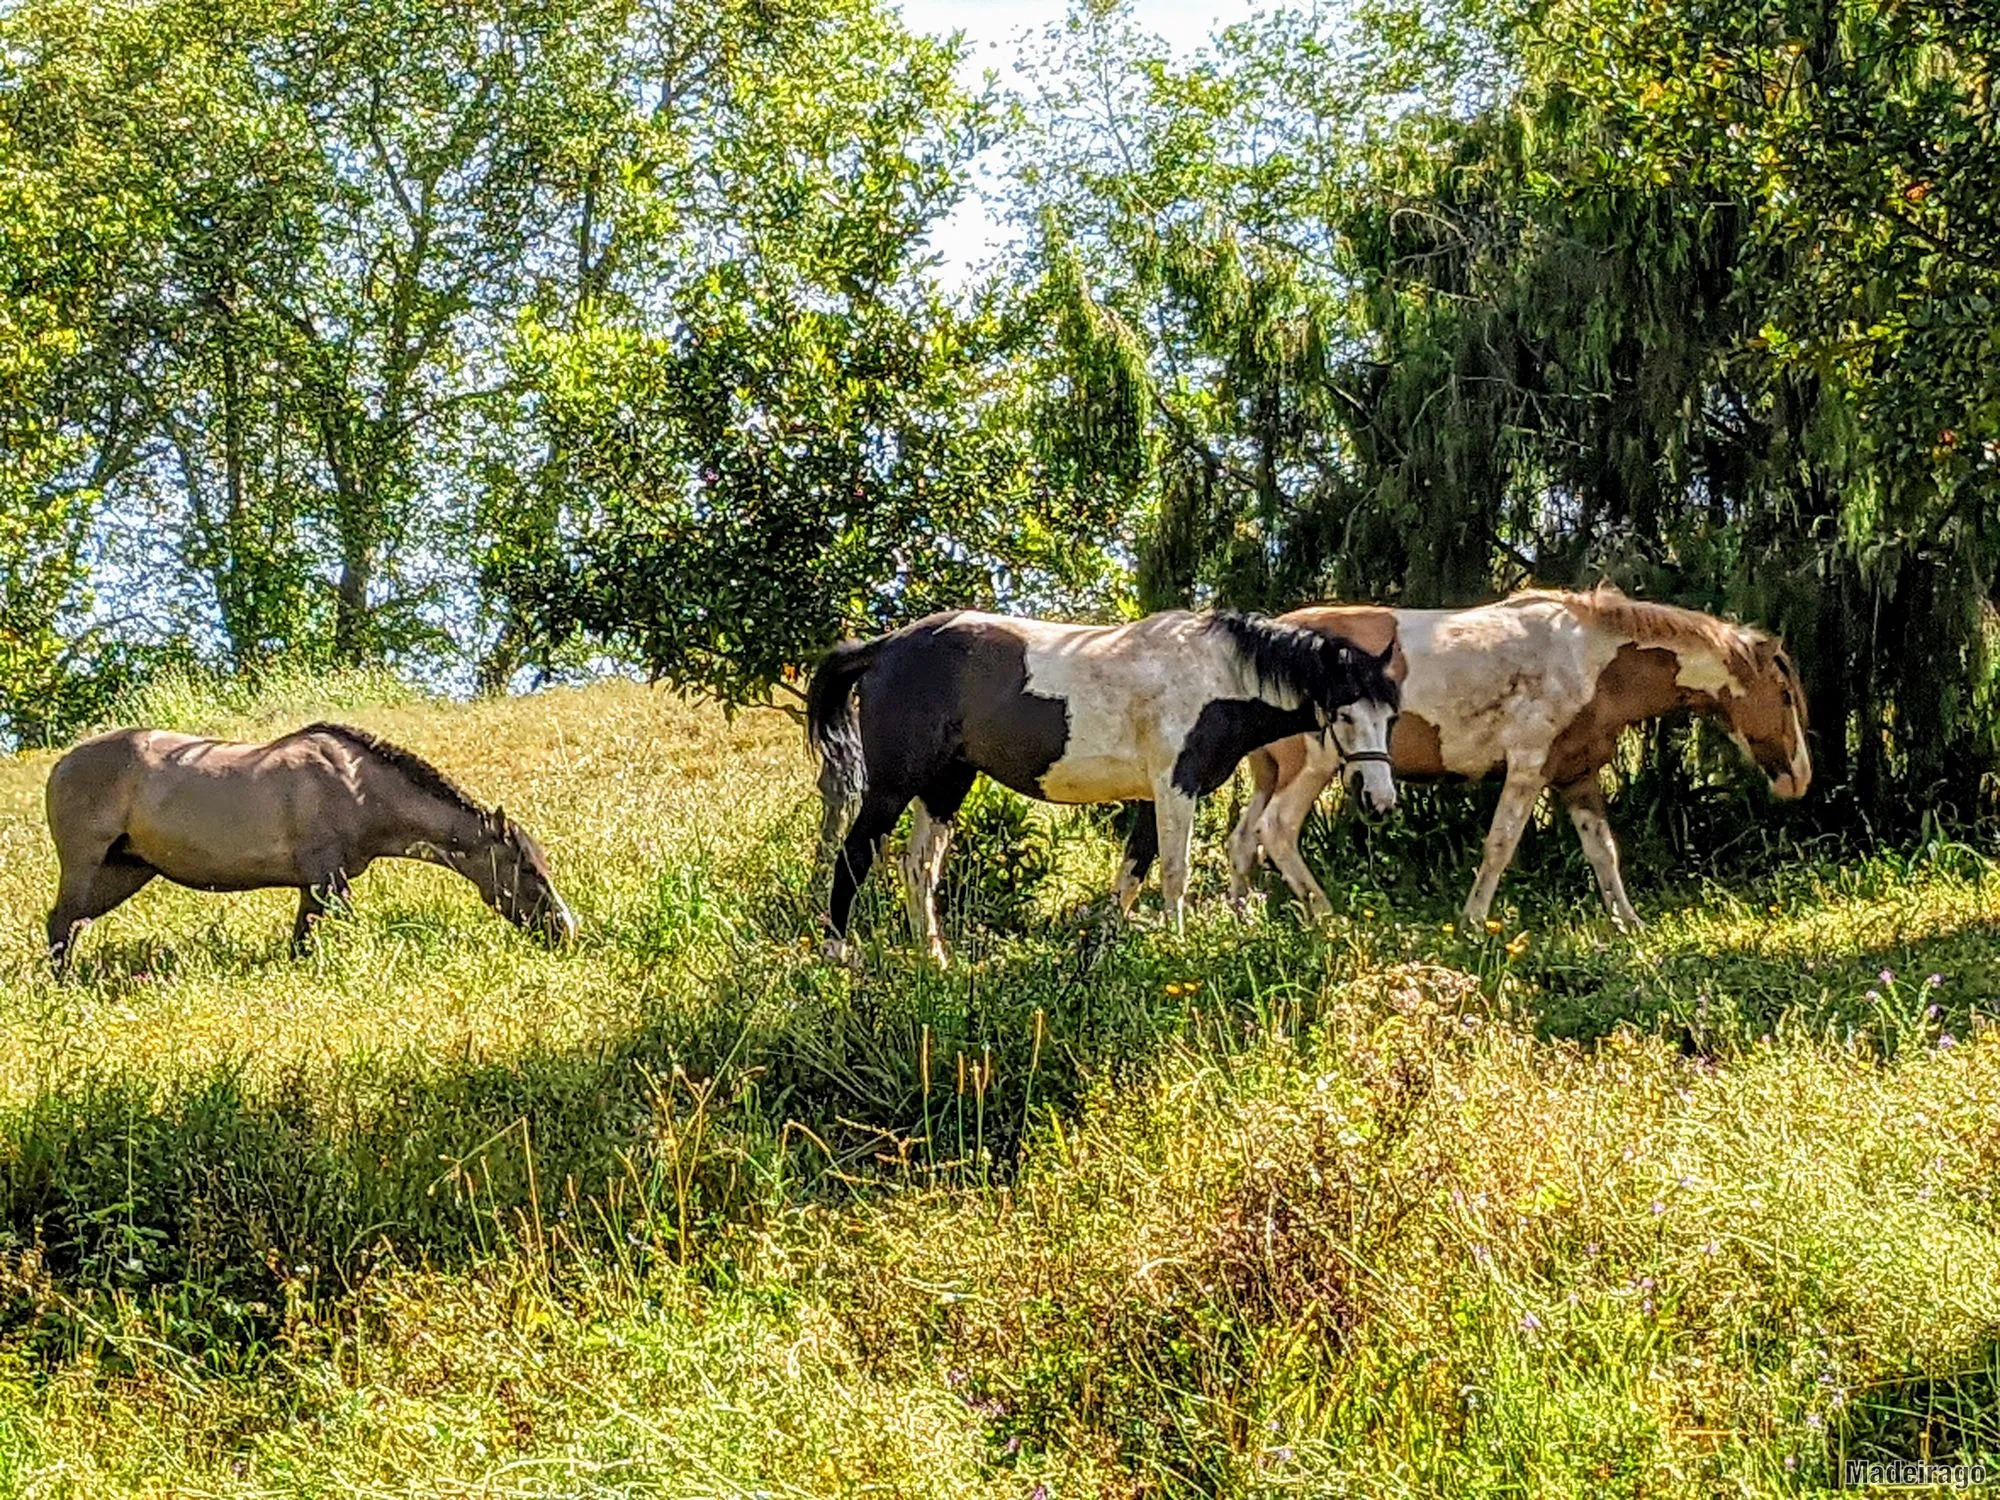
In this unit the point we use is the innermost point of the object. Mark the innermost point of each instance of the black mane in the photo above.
(411, 764)
(1324, 670)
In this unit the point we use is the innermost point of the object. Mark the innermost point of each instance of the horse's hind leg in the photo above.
(923, 860)
(1591, 817)
(879, 811)
(1142, 847)
(86, 893)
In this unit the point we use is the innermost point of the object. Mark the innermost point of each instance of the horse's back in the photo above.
(1496, 681)
(211, 813)
(1015, 697)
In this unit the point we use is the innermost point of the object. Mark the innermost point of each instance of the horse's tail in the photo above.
(833, 731)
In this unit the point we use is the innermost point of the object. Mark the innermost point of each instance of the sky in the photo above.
(993, 33)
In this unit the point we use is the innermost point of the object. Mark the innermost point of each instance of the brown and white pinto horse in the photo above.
(1159, 711)
(1538, 686)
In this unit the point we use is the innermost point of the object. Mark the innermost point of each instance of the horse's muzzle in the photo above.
(1373, 796)
(557, 925)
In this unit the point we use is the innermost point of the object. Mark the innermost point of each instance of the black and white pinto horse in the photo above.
(1159, 711)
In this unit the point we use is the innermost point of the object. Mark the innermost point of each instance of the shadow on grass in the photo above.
(1897, 985)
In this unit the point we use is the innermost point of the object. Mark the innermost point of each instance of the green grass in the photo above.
(1372, 1208)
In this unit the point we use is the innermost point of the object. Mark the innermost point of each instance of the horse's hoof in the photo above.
(937, 955)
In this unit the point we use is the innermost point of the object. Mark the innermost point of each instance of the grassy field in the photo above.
(1372, 1209)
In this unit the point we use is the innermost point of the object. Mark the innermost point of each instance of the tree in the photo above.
(335, 216)
(780, 431)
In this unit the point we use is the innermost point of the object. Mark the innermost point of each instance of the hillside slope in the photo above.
(1371, 1209)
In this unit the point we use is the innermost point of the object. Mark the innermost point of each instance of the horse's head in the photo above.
(1359, 728)
(513, 874)
(1767, 719)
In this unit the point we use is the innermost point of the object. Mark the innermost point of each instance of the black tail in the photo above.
(833, 730)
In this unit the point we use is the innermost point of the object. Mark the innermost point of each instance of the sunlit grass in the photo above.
(1371, 1208)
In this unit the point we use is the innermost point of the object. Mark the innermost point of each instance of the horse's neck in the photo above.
(1698, 680)
(418, 823)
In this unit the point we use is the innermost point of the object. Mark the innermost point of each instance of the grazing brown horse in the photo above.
(310, 810)
(1537, 687)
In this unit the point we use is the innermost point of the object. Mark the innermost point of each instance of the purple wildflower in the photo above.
(1887, 976)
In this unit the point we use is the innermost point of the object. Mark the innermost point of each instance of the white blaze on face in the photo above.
(565, 919)
(1363, 728)
(1801, 756)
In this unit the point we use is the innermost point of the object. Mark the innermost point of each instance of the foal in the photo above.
(1160, 710)
(310, 810)
(1539, 686)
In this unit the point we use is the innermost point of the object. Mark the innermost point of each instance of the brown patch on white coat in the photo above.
(1539, 686)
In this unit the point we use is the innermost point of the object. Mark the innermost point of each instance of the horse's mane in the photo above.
(1319, 668)
(412, 765)
(1654, 624)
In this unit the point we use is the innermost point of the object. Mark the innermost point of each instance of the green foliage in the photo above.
(1002, 857)
(785, 432)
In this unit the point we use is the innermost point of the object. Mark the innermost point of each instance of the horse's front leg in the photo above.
(313, 902)
(1173, 821)
(1591, 817)
(1142, 847)
(1510, 819)
(1286, 817)
(1244, 839)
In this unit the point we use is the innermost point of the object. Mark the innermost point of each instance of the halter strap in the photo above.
(1360, 757)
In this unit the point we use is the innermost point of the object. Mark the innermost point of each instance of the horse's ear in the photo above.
(501, 827)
